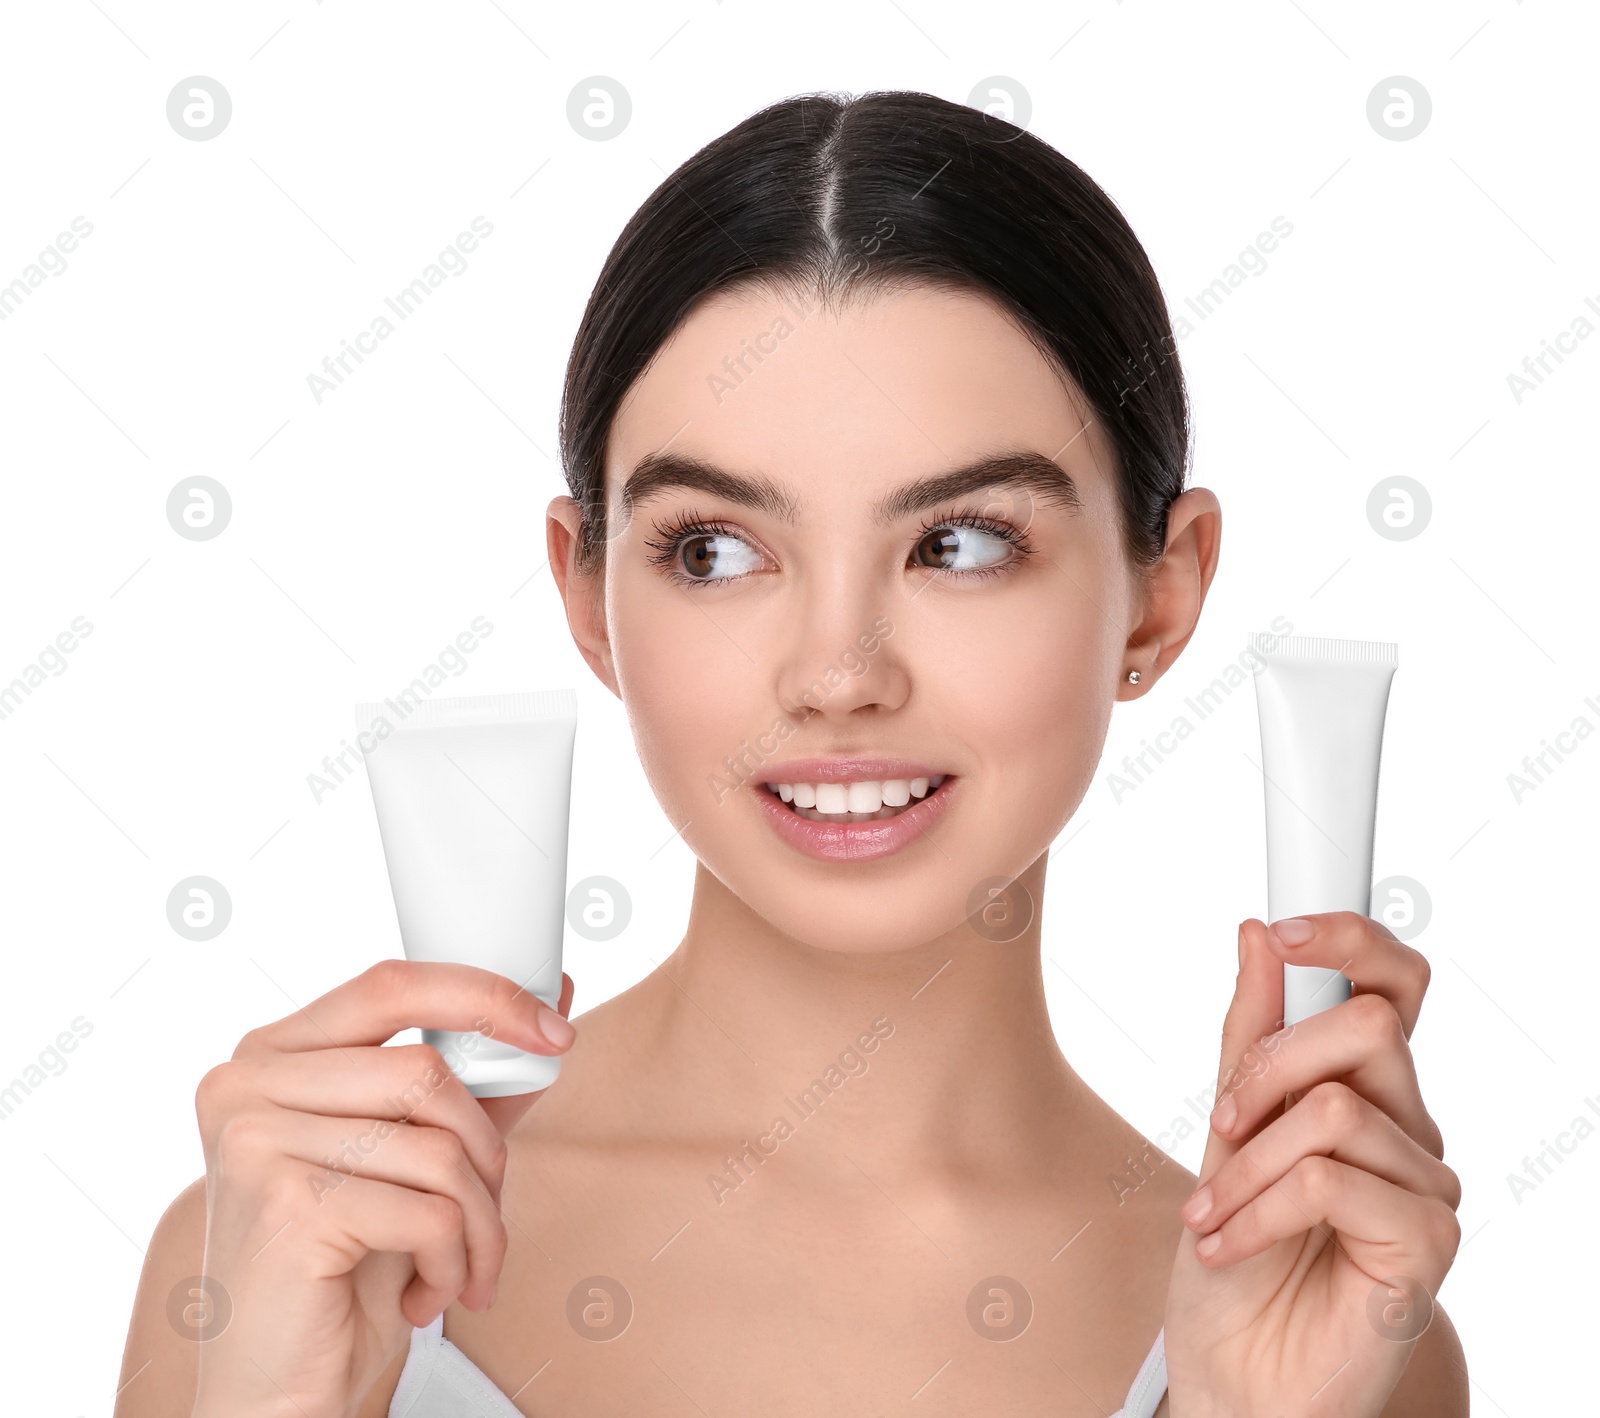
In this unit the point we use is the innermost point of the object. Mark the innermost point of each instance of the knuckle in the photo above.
(496, 1244)
(387, 977)
(253, 1044)
(212, 1094)
(1424, 971)
(414, 1062)
(1318, 1179)
(1338, 1108)
(444, 1149)
(1348, 925)
(244, 1136)
(1376, 1019)
(286, 1190)
(1452, 1188)
(442, 1218)
(1447, 1227)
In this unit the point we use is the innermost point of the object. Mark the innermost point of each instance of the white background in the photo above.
(369, 530)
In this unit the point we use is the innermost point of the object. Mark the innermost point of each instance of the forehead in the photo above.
(891, 384)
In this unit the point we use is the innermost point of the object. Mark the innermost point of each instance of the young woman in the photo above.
(876, 437)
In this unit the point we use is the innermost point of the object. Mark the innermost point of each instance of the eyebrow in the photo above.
(661, 472)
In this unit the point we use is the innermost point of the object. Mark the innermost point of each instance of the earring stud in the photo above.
(1133, 676)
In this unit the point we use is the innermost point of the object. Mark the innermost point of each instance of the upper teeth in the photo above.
(857, 797)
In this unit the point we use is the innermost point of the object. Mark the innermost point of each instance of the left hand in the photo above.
(1317, 1202)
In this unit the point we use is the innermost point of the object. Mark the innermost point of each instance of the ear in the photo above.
(1175, 589)
(582, 592)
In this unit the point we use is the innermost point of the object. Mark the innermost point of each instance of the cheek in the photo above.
(693, 699)
(1036, 692)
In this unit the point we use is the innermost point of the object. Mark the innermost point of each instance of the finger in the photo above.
(1385, 1230)
(367, 1215)
(335, 1150)
(1332, 1120)
(1254, 1013)
(1359, 1042)
(1365, 951)
(398, 1082)
(402, 994)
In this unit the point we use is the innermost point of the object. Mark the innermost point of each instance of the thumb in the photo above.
(1255, 1011)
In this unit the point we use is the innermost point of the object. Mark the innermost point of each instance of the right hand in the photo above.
(329, 1268)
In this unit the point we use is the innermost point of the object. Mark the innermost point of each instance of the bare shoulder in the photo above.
(1434, 1384)
(159, 1365)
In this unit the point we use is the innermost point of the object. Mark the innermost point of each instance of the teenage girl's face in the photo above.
(806, 579)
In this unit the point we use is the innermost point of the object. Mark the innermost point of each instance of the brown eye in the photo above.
(957, 548)
(715, 556)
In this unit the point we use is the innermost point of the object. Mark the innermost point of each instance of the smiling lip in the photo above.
(849, 770)
(863, 841)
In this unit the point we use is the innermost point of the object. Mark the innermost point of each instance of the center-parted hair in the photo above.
(838, 196)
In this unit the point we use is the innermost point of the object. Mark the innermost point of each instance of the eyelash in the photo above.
(670, 537)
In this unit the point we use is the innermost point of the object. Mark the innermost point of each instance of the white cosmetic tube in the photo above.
(473, 797)
(1322, 704)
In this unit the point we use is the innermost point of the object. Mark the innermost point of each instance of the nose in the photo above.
(843, 657)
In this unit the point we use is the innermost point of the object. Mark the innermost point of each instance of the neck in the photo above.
(938, 1057)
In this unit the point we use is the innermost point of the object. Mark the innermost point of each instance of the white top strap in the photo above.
(1149, 1384)
(439, 1381)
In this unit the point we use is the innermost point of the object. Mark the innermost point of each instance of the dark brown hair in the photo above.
(798, 197)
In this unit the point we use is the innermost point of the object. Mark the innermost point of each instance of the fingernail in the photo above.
(1209, 1244)
(1293, 931)
(1225, 1114)
(554, 1028)
(1197, 1207)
